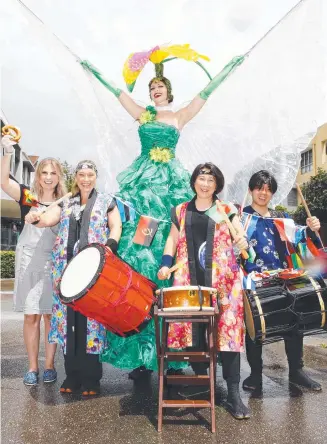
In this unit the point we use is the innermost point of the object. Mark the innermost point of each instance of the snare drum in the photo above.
(101, 286)
(188, 298)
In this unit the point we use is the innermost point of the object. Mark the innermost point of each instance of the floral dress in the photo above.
(95, 221)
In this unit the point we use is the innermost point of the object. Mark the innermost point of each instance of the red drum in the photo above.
(101, 286)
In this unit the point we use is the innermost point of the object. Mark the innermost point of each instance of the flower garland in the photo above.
(163, 155)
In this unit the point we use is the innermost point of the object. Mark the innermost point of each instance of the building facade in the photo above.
(22, 170)
(314, 157)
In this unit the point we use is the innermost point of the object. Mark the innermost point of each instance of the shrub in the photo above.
(7, 264)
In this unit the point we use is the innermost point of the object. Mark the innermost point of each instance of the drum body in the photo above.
(283, 306)
(188, 298)
(102, 287)
(268, 312)
(310, 303)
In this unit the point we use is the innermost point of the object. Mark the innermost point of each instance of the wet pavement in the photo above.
(126, 413)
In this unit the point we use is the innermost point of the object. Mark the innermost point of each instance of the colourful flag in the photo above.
(126, 210)
(249, 222)
(29, 199)
(288, 231)
(146, 230)
(216, 215)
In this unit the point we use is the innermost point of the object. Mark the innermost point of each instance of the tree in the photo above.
(315, 194)
(69, 174)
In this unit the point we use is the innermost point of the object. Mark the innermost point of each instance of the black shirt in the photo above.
(23, 204)
(199, 235)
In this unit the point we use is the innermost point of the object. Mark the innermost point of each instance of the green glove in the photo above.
(88, 67)
(219, 78)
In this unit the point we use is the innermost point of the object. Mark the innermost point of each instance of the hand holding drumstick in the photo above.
(165, 272)
(312, 222)
(33, 217)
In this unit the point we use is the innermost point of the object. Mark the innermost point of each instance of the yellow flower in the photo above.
(59, 314)
(90, 343)
(161, 155)
(146, 117)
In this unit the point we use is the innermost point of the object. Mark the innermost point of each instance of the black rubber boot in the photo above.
(234, 403)
(254, 357)
(175, 372)
(139, 373)
(300, 378)
(253, 383)
(231, 363)
(294, 352)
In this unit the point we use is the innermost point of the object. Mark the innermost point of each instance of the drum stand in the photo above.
(164, 355)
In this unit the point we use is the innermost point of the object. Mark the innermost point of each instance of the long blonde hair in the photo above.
(60, 189)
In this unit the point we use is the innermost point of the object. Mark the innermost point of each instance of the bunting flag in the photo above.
(146, 230)
(249, 222)
(288, 231)
(126, 210)
(312, 248)
(252, 255)
(247, 281)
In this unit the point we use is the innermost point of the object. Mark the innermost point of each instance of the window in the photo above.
(292, 198)
(306, 162)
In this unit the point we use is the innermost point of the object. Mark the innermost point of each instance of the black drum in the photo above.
(310, 303)
(278, 307)
(268, 312)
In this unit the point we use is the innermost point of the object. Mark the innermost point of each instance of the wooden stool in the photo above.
(167, 317)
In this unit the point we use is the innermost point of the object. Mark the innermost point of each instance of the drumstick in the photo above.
(175, 267)
(307, 209)
(57, 202)
(230, 226)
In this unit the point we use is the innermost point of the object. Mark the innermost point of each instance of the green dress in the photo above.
(154, 183)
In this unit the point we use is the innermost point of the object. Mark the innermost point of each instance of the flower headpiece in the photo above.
(158, 55)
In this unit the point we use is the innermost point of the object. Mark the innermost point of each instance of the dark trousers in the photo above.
(293, 349)
(231, 361)
(81, 368)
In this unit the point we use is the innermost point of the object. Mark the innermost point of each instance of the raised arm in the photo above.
(47, 219)
(8, 185)
(188, 112)
(127, 102)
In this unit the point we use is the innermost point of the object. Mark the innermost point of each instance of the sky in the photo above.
(38, 96)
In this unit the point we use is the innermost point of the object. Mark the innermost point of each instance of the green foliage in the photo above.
(69, 174)
(315, 194)
(281, 208)
(7, 264)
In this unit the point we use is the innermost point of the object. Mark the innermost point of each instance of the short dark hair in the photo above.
(261, 178)
(213, 170)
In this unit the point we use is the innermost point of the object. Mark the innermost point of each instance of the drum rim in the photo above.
(102, 250)
(187, 288)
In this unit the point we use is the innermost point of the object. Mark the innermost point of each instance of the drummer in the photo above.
(205, 249)
(87, 217)
(270, 253)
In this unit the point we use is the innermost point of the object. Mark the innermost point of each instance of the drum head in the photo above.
(81, 273)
